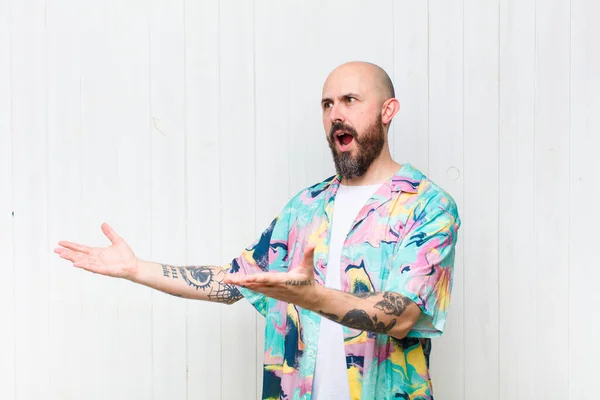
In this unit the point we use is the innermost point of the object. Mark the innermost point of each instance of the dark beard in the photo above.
(369, 146)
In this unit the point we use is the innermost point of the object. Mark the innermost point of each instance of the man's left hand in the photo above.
(297, 286)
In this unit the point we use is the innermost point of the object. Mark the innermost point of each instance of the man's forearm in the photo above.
(380, 312)
(191, 282)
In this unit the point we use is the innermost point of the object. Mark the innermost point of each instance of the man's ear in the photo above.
(388, 110)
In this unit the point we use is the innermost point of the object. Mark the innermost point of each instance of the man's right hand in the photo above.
(117, 260)
(204, 282)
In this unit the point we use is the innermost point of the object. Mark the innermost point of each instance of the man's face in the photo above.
(352, 122)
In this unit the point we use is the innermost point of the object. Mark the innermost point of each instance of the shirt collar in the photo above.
(406, 179)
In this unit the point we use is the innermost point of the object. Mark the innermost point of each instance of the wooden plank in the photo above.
(203, 192)
(517, 300)
(167, 182)
(410, 128)
(480, 235)
(307, 145)
(310, 157)
(64, 196)
(237, 164)
(99, 202)
(273, 129)
(446, 169)
(28, 123)
(7, 283)
(584, 349)
(130, 45)
(552, 58)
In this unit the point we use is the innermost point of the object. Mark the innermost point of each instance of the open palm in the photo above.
(295, 286)
(117, 260)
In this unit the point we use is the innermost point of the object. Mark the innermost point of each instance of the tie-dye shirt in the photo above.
(403, 240)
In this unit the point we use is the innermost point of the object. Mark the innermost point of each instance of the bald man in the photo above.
(353, 276)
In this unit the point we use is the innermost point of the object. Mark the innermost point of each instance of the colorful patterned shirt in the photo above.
(403, 240)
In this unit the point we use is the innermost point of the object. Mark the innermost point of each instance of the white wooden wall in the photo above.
(187, 125)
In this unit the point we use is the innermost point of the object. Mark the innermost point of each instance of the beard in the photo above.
(368, 147)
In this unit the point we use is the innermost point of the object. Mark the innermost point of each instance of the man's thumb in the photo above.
(309, 255)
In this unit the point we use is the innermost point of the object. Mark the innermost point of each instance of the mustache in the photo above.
(340, 126)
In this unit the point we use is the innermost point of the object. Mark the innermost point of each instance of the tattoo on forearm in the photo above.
(393, 304)
(360, 319)
(364, 295)
(207, 279)
(197, 277)
(332, 317)
(169, 271)
(368, 319)
(298, 283)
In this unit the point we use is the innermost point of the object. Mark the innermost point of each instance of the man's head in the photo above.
(358, 106)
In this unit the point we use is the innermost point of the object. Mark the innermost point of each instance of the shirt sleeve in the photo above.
(268, 252)
(423, 265)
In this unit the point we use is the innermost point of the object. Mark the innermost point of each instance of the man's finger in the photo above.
(75, 246)
(259, 287)
(308, 260)
(309, 253)
(233, 279)
(250, 285)
(261, 279)
(250, 280)
(70, 255)
(110, 233)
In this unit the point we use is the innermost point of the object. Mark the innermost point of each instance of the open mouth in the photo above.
(344, 140)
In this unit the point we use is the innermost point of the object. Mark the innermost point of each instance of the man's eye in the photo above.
(350, 99)
(326, 105)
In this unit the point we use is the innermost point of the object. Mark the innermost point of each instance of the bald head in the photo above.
(369, 76)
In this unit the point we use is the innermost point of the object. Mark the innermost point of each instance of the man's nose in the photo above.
(336, 114)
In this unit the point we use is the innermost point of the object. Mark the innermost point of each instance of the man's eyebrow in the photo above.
(344, 96)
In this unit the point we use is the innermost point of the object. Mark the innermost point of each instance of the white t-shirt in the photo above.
(330, 380)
